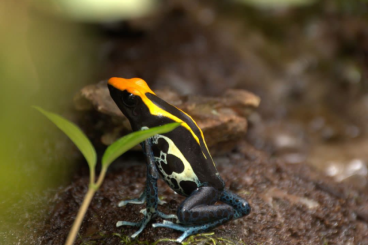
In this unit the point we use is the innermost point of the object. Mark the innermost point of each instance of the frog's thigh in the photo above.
(241, 206)
(199, 208)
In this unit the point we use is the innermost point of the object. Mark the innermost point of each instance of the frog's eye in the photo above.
(129, 99)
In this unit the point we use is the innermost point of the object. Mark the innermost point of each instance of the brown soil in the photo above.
(290, 205)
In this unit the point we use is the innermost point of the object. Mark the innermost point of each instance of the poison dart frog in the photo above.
(182, 159)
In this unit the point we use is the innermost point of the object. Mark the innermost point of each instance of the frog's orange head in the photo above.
(130, 95)
(136, 86)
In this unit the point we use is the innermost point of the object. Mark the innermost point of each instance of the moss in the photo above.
(203, 239)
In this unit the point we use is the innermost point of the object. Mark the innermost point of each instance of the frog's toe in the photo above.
(123, 203)
(141, 224)
(161, 202)
(140, 200)
(186, 234)
(126, 223)
(167, 216)
(132, 201)
(138, 232)
(161, 214)
(187, 230)
(169, 224)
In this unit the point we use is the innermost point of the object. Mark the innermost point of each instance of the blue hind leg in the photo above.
(241, 207)
(198, 213)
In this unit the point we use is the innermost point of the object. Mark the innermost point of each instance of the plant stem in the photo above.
(92, 176)
(101, 177)
(82, 211)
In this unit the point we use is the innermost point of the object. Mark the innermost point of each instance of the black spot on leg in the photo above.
(174, 164)
(175, 183)
(188, 186)
(186, 215)
(155, 151)
(161, 145)
(211, 215)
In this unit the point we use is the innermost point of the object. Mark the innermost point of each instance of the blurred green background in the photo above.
(47, 53)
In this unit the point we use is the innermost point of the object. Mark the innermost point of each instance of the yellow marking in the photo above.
(139, 87)
(155, 110)
(188, 172)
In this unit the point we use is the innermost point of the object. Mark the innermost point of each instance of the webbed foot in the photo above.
(140, 200)
(132, 201)
(198, 213)
(142, 224)
(188, 230)
(167, 216)
(147, 218)
(161, 214)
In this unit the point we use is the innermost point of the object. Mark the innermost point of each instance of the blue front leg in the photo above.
(142, 198)
(151, 205)
(150, 195)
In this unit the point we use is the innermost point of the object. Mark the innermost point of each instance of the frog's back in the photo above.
(182, 156)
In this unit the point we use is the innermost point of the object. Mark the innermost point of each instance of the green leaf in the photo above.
(75, 134)
(125, 143)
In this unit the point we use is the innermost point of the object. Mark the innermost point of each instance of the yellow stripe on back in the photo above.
(139, 87)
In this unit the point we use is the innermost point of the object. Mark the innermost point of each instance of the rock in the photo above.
(273, 193)
(222, 119)
(354, 172)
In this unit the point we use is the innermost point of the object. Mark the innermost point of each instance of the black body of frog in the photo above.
(182, 159)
